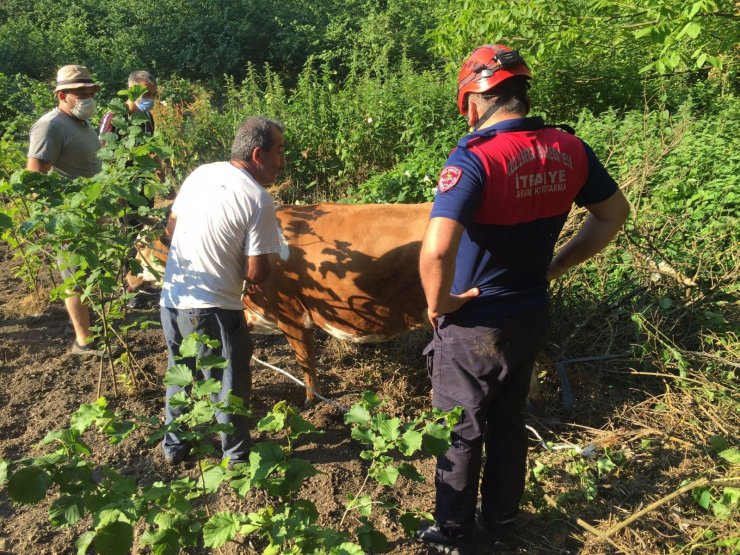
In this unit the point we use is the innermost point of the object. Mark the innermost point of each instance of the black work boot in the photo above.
(432, 534)
(499, 534)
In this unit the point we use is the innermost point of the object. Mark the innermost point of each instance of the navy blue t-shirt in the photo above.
(512, 186)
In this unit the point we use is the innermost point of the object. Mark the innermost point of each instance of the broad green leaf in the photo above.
(207, 387)
(371, 540)
(220, 528)
(207, 362)
(263, 459)
(296, 472)
(642, 32)
(386, 475)
(116, 538)
(3, 471)
(190, 346)
(731, 496)
(390, 429)
(84, 542)
(363, 505)
(87, 413)
(6, 222)
(271, 422)
(66, 510)
(179, 375)
(605, 465)
(714, 61)
(235, 405)
(718, 443)
(436, 439)
(347, 548)
(696, 6)
(362, 435)
(357, 414)
(703, 497)
(299, 426)
(163, 542)
(241, 485)
(117, 431)
(371, 400)
(692, 29)
(721, 510)
(304, 511)
(28, 485)
(731, 455)
(410, 442)
(179, 400)
(212, 478)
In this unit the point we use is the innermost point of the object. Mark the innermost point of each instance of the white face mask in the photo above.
(84, 108)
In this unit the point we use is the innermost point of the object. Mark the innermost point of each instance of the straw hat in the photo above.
(74, 77)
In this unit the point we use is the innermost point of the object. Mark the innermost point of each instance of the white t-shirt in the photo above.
(223, 216)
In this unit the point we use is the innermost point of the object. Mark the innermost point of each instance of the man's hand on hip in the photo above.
(451, 304)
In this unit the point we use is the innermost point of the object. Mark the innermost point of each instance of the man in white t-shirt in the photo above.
(222, 229)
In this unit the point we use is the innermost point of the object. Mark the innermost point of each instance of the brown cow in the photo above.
(351, 270)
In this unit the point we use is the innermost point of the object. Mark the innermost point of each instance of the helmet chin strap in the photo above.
(492, 109)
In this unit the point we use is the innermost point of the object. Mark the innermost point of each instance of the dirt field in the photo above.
(43, 385)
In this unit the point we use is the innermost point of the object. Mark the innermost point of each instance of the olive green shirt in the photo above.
(67, 144)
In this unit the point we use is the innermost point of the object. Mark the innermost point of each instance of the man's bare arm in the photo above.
(36, 165)
(601, 226)
(257, 268)
(437, 267)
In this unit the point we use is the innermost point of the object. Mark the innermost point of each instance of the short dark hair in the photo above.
(255, 131)
(510, 96)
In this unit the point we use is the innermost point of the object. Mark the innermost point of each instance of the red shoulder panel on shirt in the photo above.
(448, 178)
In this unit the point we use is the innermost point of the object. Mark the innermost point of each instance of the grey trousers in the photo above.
(229, 327)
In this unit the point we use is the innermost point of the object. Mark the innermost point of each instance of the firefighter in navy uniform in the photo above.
(502, 199)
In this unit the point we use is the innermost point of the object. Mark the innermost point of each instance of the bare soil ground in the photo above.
(655, 435)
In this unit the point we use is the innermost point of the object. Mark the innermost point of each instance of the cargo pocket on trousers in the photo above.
(428, 354)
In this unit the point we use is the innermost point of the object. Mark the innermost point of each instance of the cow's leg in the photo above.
(301, 340)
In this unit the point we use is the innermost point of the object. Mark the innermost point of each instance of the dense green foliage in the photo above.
(366, 87)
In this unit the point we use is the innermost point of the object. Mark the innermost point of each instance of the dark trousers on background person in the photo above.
(485, 367)
(230, 328)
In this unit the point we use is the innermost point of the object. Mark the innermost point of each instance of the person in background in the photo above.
(143, 105)
(64, 141)
(222, 229)
(486, 259)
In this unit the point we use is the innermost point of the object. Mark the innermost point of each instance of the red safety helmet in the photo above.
(489, 65)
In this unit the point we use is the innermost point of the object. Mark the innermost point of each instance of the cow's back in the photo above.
(350, 269)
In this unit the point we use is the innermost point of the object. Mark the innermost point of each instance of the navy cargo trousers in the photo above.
(485, 367)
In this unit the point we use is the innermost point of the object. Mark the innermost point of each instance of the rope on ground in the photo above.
(586, 451)
(299, 382)
(290, 376)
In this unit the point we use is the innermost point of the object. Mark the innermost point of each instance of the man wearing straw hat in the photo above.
(64, 141)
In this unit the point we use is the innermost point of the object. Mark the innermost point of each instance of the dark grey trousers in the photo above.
(230, 328)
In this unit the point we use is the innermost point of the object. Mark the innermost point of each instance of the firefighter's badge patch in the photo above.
(449, 178)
